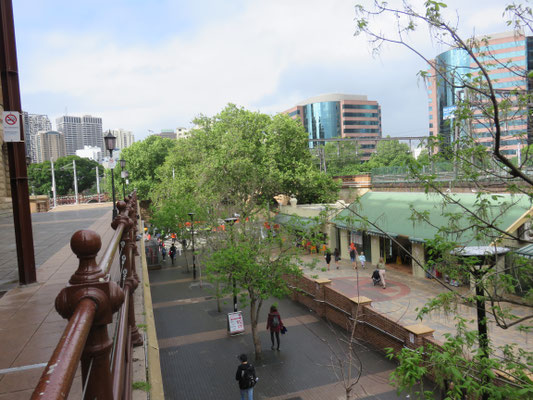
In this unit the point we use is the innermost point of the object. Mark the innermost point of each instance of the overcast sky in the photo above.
(155, 64)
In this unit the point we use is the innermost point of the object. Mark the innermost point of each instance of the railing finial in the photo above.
(86, 244)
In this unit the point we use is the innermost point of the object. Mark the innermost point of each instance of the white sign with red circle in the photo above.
(11, 125)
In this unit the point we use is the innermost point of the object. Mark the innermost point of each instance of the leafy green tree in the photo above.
(468, 365)
(343, 158)
(143, 160)
(40, 175)
(254, 267)
(390, 153)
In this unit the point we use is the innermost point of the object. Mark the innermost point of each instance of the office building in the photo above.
(50, 145)
(91, 128)
(70, 127)
(33, 123)
(507, 57)
(124, 138)
(341, 116)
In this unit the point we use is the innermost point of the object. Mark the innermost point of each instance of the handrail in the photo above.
(60, 375)
(89, 302)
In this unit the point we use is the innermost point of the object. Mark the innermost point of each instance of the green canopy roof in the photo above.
(526, 251)
(296, 222)
(391, 212)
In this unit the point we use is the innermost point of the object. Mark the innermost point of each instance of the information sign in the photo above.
(235, 323)
(11, 125)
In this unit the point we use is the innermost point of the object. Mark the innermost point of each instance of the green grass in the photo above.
(140, 385)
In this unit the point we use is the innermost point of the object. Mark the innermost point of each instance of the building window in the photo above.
(360, 106)
(293, 113)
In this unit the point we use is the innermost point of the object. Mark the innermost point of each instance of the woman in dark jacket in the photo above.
(274, 324)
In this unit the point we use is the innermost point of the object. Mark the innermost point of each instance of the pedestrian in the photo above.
(362, 259)
(327, 256)
(352, 255)
(274, 324)
(337, 256)
(246, 377)
(163, 252)
(381, 270)
(172, 253)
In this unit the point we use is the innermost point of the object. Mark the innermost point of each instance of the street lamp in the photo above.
(110, 141)
(231, 222)
(123, 175)
(193, 255)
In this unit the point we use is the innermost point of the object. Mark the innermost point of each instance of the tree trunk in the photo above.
(255, 306)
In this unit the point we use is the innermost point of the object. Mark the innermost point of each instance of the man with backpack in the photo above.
(246, 377)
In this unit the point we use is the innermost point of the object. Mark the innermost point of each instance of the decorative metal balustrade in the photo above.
(94, 294)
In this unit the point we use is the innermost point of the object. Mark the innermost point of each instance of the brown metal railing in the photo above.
(89, 301)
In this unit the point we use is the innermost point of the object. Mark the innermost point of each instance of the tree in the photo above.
(253, 267)
(390, 153)
(342, 158)
(467, 364)
(143, 160)
(40, 175)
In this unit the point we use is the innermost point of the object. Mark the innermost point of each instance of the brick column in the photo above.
(320, 295)
(416, 334)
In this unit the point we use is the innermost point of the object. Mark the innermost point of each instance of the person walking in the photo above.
(362, 259)
(246, 377)
(381, 270)
(164, 252)
(352, 255)
(274, 324)
(337, 256)
(172, 253)
(327, 256)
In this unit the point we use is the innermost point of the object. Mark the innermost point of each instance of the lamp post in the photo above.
(110, 141)
(123, 176)
(231, 222)
(193, 255)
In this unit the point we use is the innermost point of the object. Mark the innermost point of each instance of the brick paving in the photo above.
(199, 358)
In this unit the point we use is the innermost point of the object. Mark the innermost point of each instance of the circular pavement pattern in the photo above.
(348, 286)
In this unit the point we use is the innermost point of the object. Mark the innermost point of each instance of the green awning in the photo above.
(296, 222)
(392, 213)
(526, 251)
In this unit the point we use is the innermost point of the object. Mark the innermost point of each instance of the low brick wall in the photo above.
(372, 327)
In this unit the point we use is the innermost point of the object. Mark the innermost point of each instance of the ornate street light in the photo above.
(231, 222)
(110, 142)
(193, 255)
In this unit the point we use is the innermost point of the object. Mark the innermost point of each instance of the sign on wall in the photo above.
(11, 125)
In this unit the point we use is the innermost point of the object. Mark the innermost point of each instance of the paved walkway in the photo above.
(405, 294)
(30, 326)
(199, 358)
(51, 231)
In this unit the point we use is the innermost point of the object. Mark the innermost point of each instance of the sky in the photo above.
(148, 65)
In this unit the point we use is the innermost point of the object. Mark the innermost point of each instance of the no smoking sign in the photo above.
(11, 125)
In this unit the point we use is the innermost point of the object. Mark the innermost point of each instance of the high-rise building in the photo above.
(50, 145)
(91, 128)
(124, 138)
(331, 116)
(507, 57)
(71, 128)
(34, 123)
(182, 133)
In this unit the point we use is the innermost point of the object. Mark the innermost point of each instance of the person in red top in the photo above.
(274, 324)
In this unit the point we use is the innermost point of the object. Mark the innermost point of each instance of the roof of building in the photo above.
(526, 251)
(392, 213)
(333, 97)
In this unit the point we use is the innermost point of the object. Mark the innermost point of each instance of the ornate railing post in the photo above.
(90, 282)
(131, 280)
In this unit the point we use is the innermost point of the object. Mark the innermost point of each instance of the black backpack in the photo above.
(247, 377)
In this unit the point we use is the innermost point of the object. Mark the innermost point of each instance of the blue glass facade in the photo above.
(322, 120)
